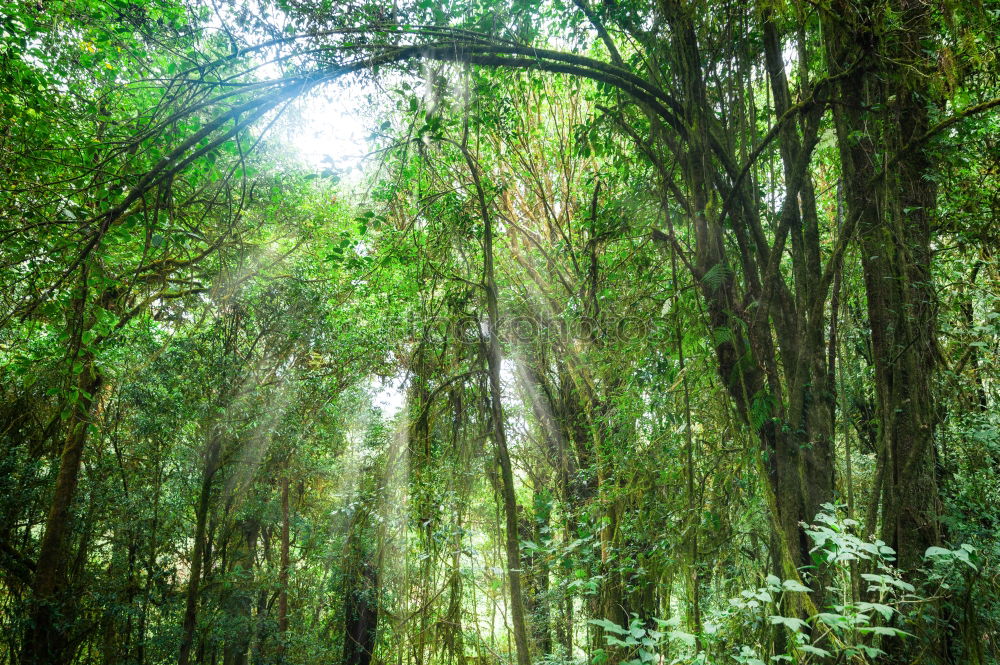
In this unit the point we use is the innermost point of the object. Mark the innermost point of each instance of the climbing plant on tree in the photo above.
(646, 330)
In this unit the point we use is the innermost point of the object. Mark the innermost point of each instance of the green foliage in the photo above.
(716, 318)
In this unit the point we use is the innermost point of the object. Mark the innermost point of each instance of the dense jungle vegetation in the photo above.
(645, 332)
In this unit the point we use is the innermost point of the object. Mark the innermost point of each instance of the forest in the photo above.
(499, 332)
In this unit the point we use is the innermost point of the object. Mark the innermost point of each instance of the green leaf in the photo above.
(884, 610)
(816, 651)
(884, 630)
(684, 638)
(715, 275)
(794, 585)
(609, 626)
(791, 623)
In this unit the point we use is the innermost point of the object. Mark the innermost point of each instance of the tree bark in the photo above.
(893, 208)
(361, 605)
(513, 550)
(211, 466)
(784, 409)
(239, 599)
(46, 641)
(283, 571)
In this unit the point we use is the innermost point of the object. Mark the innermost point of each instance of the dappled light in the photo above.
(499, 333)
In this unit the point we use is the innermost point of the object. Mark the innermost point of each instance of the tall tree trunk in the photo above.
(810, 402)
(893, 209)
(693, 518)
(283, 571)
(361, 612)
(543, 602)
(777, 405)
(46, 641)
(211, 466)
(513, 550)
(911, 510)
(239, 599)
